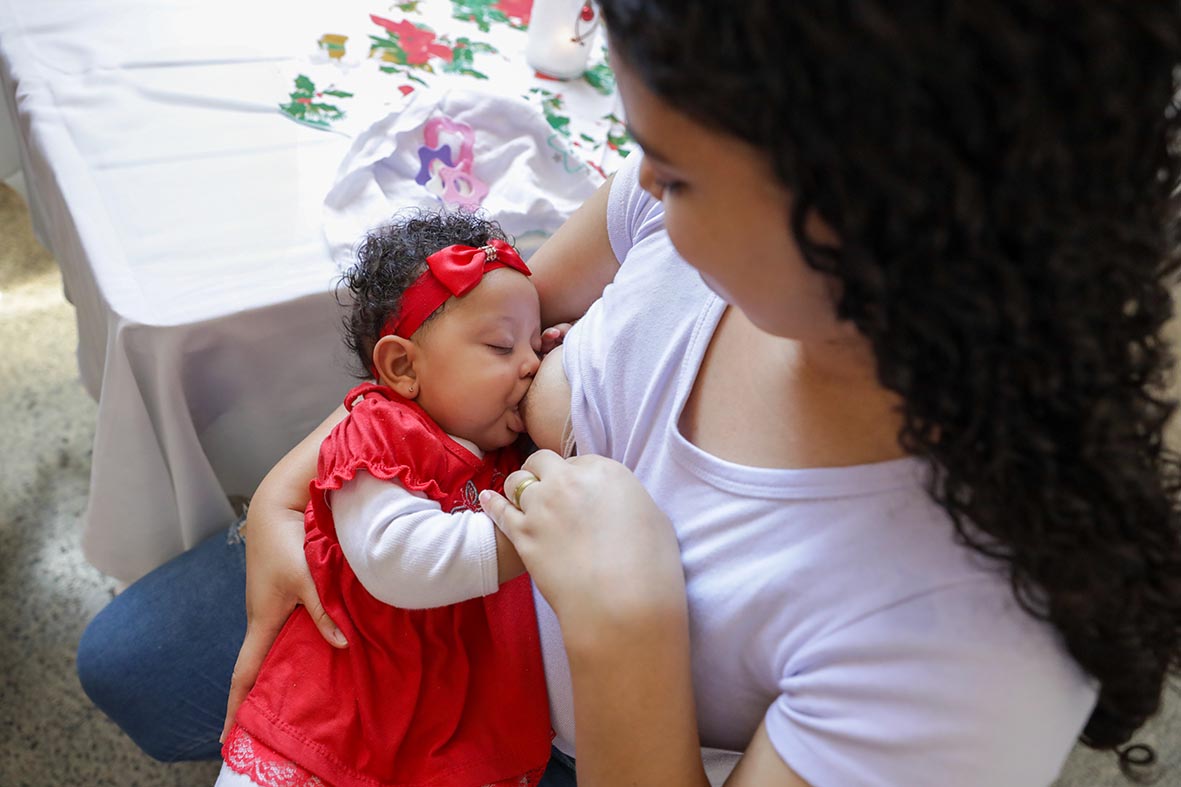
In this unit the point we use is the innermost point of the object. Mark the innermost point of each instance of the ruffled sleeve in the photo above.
(393, 439)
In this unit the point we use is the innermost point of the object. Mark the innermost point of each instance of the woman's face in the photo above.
(729, 217)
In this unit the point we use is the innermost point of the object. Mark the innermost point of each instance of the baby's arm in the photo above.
(408, 552)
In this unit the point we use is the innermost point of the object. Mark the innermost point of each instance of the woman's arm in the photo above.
(633, 699)
(607, 560)
(761, 765)
(572, 267)
(277, 575)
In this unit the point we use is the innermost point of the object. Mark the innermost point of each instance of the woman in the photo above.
(911, 520)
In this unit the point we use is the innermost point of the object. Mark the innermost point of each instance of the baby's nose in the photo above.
(530, 365)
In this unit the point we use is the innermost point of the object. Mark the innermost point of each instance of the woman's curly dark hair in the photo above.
(1001, 176)
(389, 260)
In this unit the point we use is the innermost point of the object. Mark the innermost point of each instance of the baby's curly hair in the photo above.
(1002, 178)
(389, 260)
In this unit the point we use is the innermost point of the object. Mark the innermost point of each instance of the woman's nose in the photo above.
(648, 180)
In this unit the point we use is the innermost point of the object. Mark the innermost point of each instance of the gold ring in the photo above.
(532, 479)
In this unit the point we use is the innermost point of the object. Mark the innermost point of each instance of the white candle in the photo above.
(559, 38)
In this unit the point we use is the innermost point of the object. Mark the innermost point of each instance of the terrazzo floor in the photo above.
(50, 735)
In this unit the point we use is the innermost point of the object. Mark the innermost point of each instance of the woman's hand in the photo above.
(277, 574)
(595, 543)
(606, 559)
(277, 579)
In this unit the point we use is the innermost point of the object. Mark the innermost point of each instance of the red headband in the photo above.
(455, 270)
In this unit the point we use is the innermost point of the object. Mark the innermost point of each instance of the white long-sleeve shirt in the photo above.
(407, 551)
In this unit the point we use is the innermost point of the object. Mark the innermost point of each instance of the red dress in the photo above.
(453, 696)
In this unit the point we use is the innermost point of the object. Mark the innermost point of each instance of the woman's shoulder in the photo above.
(633, 215)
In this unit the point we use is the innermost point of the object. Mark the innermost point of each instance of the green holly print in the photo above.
(617, 137)
(482, 13)
(601, 78)
(552, 107)
(461, 57)
(306, 109)
(407, 45)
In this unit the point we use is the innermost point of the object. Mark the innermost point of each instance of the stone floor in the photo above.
(50, 735)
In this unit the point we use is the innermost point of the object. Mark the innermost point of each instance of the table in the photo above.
(185, 209)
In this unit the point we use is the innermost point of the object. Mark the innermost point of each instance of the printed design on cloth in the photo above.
(482, 13)
(333, 44)
(374, 60)
(306, 105)
(601, 78)
(471, 499)
(406, 47)
(471, 495)
(576, 152)
(446, 163)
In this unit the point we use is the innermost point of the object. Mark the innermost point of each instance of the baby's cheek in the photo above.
(546, 406)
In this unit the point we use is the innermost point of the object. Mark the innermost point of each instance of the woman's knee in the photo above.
(157, 660)
(114, 668)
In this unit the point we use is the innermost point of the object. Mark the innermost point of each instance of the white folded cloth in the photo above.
(458, 150)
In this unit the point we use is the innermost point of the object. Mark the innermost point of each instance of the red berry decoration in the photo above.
(587, 13)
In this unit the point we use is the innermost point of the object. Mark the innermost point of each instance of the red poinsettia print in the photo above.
(418, 43)
(516, 9)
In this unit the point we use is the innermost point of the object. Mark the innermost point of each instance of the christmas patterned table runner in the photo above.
(371, 64)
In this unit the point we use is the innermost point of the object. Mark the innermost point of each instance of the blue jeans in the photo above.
(158, 658)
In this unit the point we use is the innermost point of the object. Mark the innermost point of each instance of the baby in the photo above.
(442, 681)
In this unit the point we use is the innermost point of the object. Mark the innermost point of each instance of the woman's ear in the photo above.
(393, 360)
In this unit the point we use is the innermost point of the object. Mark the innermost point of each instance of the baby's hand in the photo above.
(553, 336)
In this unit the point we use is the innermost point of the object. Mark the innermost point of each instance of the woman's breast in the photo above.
(546, 407)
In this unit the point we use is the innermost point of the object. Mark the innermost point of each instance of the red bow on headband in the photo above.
(455, 270)
(460, 268)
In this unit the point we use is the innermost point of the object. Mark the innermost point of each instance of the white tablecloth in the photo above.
(185, 212)
(185, 216)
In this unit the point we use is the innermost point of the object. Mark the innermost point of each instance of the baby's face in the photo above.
(476, 360)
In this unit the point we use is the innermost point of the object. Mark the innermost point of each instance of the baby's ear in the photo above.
(393, 359)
